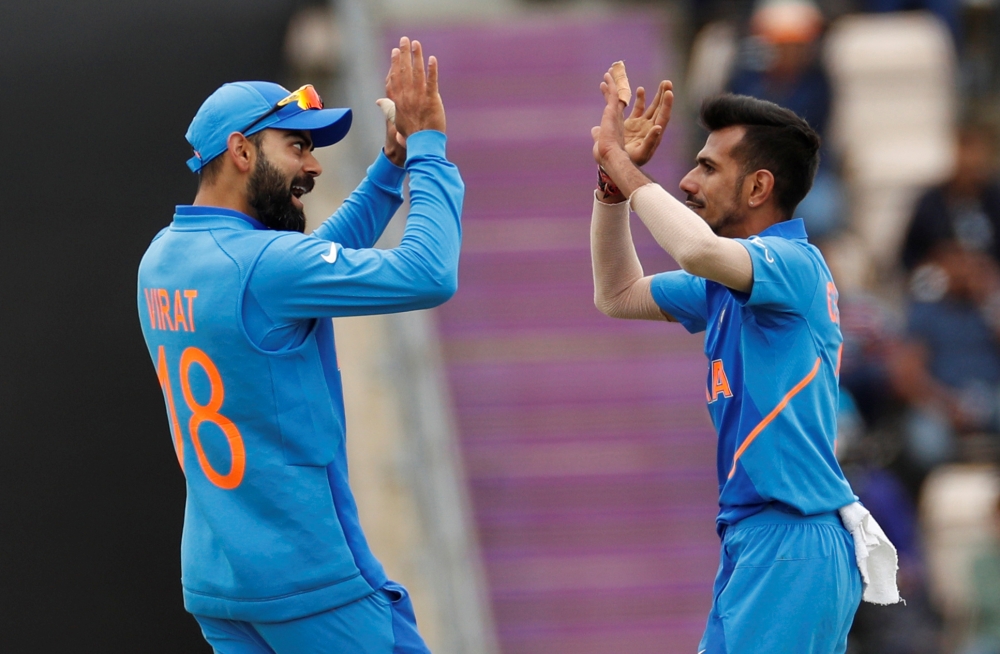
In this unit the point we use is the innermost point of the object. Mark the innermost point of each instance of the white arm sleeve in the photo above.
(620, 290)
(690, 241)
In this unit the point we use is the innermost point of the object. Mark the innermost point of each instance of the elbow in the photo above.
(608, 307)
(447, 287)
(692, 268)
(431, 279)
(441, 289)
(701, 258)
(689, 262)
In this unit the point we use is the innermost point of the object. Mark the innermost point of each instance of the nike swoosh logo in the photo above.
(703, 651)
(330, 258)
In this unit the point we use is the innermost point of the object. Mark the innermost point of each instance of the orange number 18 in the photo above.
(202, 413)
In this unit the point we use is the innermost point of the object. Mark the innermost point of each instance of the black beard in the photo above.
(733, 216)
(728, 220)
(270, 195)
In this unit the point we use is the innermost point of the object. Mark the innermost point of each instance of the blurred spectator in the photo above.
(870, 340)
(985, 598)
(966, 208)
(949, 371)
(870, 455)
(871, 462)
(781, 63)
(913, 628)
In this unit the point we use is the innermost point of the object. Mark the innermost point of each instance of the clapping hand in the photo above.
(642, 131)
(414, 91)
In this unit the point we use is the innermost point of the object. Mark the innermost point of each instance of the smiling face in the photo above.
(714, 187)
(285, 170)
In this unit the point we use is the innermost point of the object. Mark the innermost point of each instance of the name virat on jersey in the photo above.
(168, 315)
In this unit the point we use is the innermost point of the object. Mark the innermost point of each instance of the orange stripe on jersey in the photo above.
(771, 416)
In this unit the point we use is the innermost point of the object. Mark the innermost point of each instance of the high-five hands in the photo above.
(414, 92)
(639, 134)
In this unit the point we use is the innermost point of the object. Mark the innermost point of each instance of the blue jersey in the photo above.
(774, 361)
(237, 321)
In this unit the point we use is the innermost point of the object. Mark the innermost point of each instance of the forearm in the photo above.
(302, 277)
(620, 290)
(681, 232)
(433, 234)
(363, 216)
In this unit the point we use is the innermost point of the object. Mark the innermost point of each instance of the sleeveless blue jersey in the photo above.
(774, 362)
(237, 321)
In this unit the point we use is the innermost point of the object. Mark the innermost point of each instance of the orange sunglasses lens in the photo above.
(306, 97)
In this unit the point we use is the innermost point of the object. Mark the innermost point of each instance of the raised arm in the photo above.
(299, 277)
(689, 239)
(364, 215)
(620, 289)
(677, 229)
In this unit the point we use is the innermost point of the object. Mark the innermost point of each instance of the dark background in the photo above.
(96, 97)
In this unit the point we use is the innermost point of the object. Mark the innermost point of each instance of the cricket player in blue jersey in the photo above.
(236, 305)
(790, 578)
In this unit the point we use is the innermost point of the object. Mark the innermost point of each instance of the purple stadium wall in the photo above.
(587, 446)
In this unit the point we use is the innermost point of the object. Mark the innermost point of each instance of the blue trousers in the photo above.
(380, 623)
(787, 584)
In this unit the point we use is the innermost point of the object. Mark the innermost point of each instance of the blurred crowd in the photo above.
(919, 278)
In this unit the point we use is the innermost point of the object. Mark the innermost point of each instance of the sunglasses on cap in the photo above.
(306, 97)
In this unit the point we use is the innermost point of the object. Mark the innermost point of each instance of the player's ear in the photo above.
(241, 152)
(761, 187)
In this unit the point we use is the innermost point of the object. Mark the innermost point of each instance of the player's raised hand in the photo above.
(642, 131)
(644, 127)
(414, 89)
(610, 136)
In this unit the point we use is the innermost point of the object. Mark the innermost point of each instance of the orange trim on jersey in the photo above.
(771, 416)
(840, 357)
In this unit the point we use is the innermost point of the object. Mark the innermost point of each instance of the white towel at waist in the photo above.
(876, 555)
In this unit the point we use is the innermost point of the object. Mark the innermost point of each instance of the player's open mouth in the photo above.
(298, 190)
(694, 205)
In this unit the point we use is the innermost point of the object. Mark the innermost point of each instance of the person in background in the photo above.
(785, 68)
(782, 64)
(914, 628)
(948, 370)
(965, 208)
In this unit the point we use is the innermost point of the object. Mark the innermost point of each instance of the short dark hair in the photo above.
(210, 171)
(776, 140)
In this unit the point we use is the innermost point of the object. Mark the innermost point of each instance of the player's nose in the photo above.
(311, 165)
(688, 184)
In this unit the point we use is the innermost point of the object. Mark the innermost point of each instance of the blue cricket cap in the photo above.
(235, 106)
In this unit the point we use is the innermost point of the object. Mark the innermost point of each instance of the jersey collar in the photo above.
(193, 213)
(794, 229)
